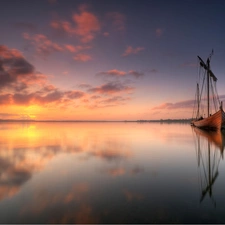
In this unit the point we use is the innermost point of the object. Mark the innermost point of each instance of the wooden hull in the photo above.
(214, 122)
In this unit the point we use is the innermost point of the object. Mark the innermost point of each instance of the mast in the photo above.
(209, 74)
(198, 100)
(208, 69)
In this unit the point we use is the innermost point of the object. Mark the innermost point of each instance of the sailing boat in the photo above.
(210, 147)
(209, 113)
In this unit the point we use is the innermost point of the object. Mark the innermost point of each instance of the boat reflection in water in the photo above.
(209, 149)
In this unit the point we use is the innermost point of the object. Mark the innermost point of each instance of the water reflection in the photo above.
(103, 173)
(210, 147)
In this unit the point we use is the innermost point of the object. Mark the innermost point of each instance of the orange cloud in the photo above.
(130, 50)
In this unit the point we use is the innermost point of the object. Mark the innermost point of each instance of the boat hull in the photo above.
(214, 122)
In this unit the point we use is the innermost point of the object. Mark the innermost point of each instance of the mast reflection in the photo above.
(209, 149)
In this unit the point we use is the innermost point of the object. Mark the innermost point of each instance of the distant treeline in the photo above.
(166, 121)
(139, 121)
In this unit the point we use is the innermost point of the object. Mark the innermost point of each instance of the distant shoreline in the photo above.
(105, 121)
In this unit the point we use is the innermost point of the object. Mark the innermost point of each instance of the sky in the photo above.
(106, 59)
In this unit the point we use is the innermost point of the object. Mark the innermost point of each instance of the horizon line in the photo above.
(52, 120)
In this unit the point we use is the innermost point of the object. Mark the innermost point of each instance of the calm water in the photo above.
(110, 173)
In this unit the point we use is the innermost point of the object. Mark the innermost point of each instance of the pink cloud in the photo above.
(118, 20)
(159, 32)
(189, 64)
(113, 72)
(111, 88)
(84, 85)
(176, 105)
(9, 53)
(85, 25)
(115, 100)
(135, 73)
(130, 50)
(52, 1)
(74, 94)
(45, 46)
(64, 27)
(73, 49)
(82, 57)
(42, 44)
(21, 84)
(106, 34)
(119, 73)
(16, 72)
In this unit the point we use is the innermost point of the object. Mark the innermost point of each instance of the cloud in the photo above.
(115, 100)
(153, 71)
(62, 27)
(84, 85)
(15, 71)
(5, 99)
(74, 49)
(52, 1)
(111, 88)
(113, 72)
(106, 34)
(74, 94)
(6, 115)
(82, 57)
(118, 20)
(159, 32)
(21, 84)
(119, 73)
(85, 25)
(131, 51)
(135, 73)
(189, 64)
(176, 105)
(42, 44)
(26, 26)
